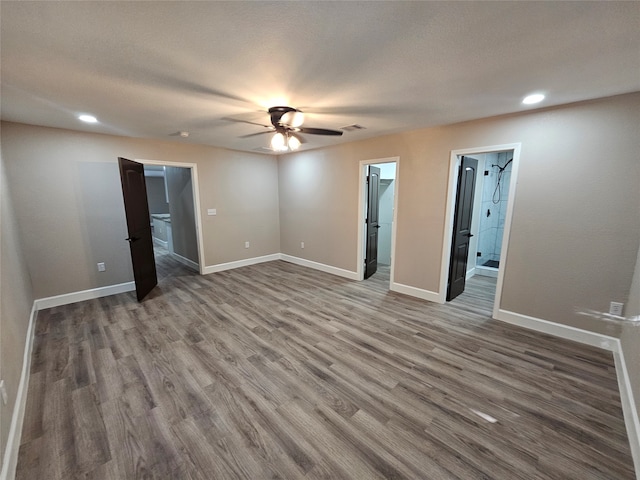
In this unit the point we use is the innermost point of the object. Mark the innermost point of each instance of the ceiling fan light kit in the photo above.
(283, 142)
(287, 124)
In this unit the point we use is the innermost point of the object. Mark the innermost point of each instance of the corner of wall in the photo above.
(12, 447)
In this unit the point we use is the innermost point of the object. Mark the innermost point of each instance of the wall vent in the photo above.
(351, 128)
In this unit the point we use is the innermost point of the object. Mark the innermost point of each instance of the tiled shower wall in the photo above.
(492, 214)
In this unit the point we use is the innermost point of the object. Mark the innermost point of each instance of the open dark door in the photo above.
(373, 204)
(136, 208)
(462, 227)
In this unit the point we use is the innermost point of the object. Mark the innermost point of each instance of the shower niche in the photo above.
(490, 209)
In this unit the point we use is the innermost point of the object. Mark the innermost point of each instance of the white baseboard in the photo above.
(629, 409)
(558, 330)
(10, 460)
(470, 273)
(605, 342)
(320, 266)
(185, 261)
(67, 298)
(240, 263)
(612, 344)
(416, 292)
(161, 243)
(486, 272)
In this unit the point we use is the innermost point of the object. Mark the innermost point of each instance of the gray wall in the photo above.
(156, 195)
(574, 241)
(183, 226)
(630, 337)
(575, 230)
(68, 203)
(16, 299)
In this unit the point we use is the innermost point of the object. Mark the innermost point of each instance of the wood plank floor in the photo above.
(275, 371)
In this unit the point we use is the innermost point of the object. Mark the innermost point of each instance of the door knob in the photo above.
(132, 239)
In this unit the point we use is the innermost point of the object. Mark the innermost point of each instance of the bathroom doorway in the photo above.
(492, 195)
(491, 218)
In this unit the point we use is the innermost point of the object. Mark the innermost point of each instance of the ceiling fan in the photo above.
(287, 122)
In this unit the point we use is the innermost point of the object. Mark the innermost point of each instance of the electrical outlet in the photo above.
(212, 211)
(3, 392)
(246, 244)
(615, 308)
(101, 267)
(301, 244)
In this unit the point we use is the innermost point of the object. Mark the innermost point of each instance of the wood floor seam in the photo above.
(277, 371)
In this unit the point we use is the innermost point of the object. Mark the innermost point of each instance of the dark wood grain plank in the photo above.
(277, 371)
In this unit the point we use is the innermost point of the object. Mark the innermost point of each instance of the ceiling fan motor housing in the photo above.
(287, 120)
(277, 113)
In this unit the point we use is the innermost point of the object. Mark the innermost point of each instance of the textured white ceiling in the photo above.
(150, 69)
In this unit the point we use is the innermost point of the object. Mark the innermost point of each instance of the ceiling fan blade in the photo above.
(299, 137)
(256, 134)
(229, 119)
(319, 131)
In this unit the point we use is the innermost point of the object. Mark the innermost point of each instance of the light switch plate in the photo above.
(211, 211)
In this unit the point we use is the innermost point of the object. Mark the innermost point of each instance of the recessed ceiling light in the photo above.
(533, 98)
(88, 118)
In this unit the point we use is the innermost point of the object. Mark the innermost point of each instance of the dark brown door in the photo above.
(136, 208)
(462, 227)
(373, 204)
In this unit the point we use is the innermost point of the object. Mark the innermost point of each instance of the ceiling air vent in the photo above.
(264, 150)
(351, 128)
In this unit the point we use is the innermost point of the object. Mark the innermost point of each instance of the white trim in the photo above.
(415, 292)
(362, 191)
(161, 243)
(605, 342)
(599, 340)
(10, 460)
(487, 272)
(628, 407)
(507, 226)
(320, 266)
(452, 188)
(195, 187)
(73, 297)
(185, 261)
(470, 273)
(240, 263)
(611, 344)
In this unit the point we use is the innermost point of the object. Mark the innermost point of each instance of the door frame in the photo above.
(362, 214)
(452, 190)
(196, 201)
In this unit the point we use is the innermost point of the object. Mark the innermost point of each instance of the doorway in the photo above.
(180, 186)
(174, 207)
(490, 222)
(378, 193)
(177, 184)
